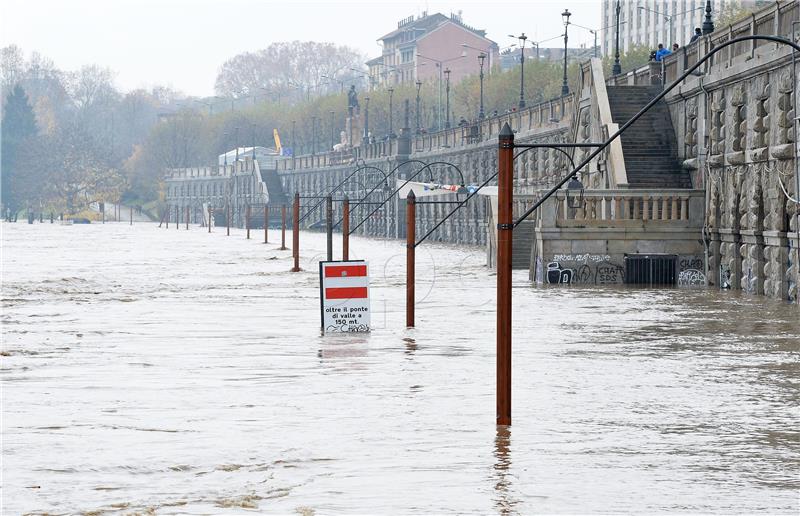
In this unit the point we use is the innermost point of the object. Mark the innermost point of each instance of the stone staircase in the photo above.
(277, 196)
(649, 145)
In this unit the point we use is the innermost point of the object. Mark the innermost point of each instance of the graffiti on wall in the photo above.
(724, 276)
(585, 269)
(558, 275)
(691, 271)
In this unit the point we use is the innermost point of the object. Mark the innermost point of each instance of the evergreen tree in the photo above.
(18, 129)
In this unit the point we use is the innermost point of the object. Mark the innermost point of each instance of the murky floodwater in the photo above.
(183, 372)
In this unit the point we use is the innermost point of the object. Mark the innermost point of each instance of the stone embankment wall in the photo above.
(466, 154)
(737, 132)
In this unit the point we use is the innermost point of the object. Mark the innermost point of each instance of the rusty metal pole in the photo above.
(167, 216)
(296, 232)
(247, 221)
(283, 227)
(228, 219)
(130, 209)
(210, 217)
(505, 228)
(411, 238)
(266, 223)
(177, 217)
(346, 229)
(187, 217)
(329, 226)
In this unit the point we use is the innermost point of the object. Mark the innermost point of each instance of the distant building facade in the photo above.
(646, 27)
(421, 45)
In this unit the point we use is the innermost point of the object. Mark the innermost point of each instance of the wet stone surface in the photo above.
(182, 372)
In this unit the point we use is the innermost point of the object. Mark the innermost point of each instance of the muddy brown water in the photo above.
(182, 372)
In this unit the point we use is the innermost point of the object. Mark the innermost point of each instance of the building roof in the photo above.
(427, 22)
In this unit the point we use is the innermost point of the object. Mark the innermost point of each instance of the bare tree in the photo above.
(295, 69)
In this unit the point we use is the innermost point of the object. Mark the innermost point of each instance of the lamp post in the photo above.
(447, 105)
(236, 142)
(439, 64)
(522, 38)
(366, 119)
(617, 68)
(225, 149)
(391, 113)
(708, 23)
(482, 55)
(419, 86)
(294, 142)
(565, 16)
(333, 130)
(334, 80)
(670, 17)
(594, 33)
(313, 135)
(481, 59)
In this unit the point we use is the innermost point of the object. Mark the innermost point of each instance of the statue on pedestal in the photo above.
(352, 99)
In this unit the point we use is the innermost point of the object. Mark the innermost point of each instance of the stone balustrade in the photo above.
(626, 205)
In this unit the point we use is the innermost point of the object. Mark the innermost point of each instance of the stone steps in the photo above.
(277, 197)
(649, 146)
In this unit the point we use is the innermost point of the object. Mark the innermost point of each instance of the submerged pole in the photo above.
(346, 229)
(228, 219)
(247, 221)
(187, 217)
(177, 217)
(266, 223)
(505, 227)
(296, 232)
(411, 238)
(166, 217)
(210, 217)
(283, 227)
(329, 226)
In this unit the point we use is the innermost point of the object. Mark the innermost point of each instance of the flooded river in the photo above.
(171, 371)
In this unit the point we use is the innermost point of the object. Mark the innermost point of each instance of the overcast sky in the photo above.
(182, 43)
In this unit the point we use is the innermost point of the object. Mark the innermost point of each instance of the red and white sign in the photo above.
(344, 296)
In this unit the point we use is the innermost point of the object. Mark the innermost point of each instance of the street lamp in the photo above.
(522, 38)
(295, 147)
(594, 33)
(708, 23)
(669, 18)
(617, 68)
(209, 104)
(419, 86)
(439, 64)
(366, 119)
(391, 113)
(447, 89)
(482, 55)
(565, 16)
(334, 79)
(333, 130)
(370, 78)
(313, 135)
(481, 59)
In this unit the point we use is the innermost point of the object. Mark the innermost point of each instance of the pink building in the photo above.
(423, 47)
